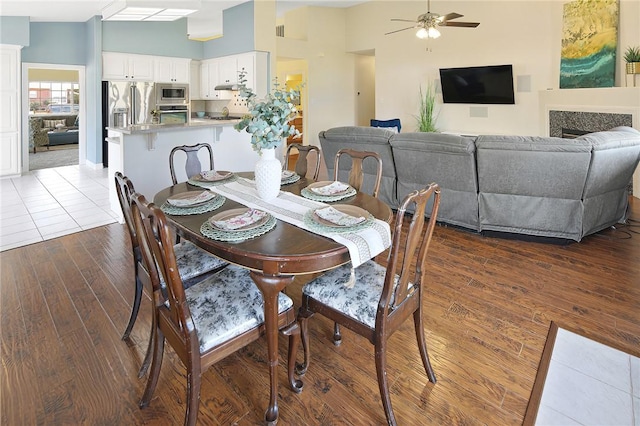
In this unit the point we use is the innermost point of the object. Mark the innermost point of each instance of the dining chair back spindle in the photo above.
(192, 166)
(206, 322)
(382, 298)
(302, 162)
(192, 261)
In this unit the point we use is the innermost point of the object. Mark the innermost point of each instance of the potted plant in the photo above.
(427, 117)
(268, 122)
(632, 58)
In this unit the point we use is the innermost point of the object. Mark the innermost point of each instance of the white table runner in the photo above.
(363, 244)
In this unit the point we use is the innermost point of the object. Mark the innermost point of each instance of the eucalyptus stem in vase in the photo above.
(268, 119)
(268, 124)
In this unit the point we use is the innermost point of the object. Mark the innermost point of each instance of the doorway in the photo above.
(53, 104)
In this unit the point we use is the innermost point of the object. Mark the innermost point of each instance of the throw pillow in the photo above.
(76, 123)
(52, 123)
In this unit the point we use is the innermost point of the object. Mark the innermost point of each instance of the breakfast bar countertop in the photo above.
(155, 128)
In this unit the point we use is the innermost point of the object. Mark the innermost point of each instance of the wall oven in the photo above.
(172, 94)
(173, 114)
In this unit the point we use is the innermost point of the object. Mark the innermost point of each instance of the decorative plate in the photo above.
(210, 231)
(290, 179)
(316, 223)
(212, 176)
(310, 194)
(208, 184)
(191, 198)
(238, 220)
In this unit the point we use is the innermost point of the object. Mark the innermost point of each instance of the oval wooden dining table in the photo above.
(274, 258)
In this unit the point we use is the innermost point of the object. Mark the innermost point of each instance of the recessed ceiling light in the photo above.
(118, 11)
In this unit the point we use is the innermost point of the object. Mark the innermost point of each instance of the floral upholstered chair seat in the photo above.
(360, 301)
(226, 305)
(192, 260)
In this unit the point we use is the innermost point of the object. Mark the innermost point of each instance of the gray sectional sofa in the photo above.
(512, 185)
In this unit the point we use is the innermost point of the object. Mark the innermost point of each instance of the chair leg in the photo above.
(422, 345)
(152, 381)
(193, 392)
(147, 357)
(383, 384)
(337, 337)
(293, 331)
(137, 297)
(303, 319)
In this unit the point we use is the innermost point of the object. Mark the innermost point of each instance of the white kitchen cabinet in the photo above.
(208, 80)
(194, 81)
(124, 66)
(228, 70)
(172, 70)
(225, 70)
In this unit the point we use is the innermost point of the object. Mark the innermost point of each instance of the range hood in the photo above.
(227, 87)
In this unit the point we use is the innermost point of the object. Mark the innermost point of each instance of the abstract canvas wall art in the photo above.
(589, 41)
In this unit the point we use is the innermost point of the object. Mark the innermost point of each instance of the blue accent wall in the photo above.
(150, 38)
(93, 92)
(14, 30)
(56, 43)
(237, 27)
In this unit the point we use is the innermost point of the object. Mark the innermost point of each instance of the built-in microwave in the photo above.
(172, 94)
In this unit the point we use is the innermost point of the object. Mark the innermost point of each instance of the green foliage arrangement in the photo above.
(632, 54)
(427, 116)
(268, 119)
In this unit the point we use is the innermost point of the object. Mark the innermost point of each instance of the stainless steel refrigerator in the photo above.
(130, 102)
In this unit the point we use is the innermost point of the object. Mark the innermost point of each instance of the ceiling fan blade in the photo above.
(397, 31)
(403, 20)
(450, 16)
(460, 24)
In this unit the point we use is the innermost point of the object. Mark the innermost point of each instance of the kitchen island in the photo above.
(141, 152)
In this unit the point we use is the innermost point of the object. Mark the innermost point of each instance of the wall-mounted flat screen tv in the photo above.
(491, 84)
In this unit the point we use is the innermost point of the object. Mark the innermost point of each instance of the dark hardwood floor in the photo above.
(65, 302)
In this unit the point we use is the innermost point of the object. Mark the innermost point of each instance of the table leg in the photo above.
(270, 286)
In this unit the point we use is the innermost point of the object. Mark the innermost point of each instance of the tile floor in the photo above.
(49, 203)
(589, 383)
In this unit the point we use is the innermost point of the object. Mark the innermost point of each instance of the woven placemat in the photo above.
(213, 204)
(210, 231)
(326, 229)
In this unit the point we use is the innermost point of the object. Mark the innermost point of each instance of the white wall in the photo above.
(320, 40)
(526, 34)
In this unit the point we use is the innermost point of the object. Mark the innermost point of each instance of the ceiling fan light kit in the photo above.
(427, 23)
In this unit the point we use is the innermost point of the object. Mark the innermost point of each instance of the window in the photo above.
(56, 97)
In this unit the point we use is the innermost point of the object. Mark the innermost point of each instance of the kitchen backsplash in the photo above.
(236, 105)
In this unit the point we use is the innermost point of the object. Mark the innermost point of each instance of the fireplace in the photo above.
(571, 124)
(590, 110)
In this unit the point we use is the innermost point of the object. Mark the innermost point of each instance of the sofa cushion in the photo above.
(448, 160)
(614, 158)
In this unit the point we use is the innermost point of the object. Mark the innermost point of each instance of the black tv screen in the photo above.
(478, 85)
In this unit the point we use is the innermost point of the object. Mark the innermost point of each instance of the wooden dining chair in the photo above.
(192, 166)
(302, 163)
(206, 322)
(356, 179)
(356, 173)
(192, 261)
(381, 299)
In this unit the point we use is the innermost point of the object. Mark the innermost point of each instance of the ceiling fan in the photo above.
(427, 23)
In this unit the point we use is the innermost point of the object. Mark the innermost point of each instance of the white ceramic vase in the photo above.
(268, 175)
